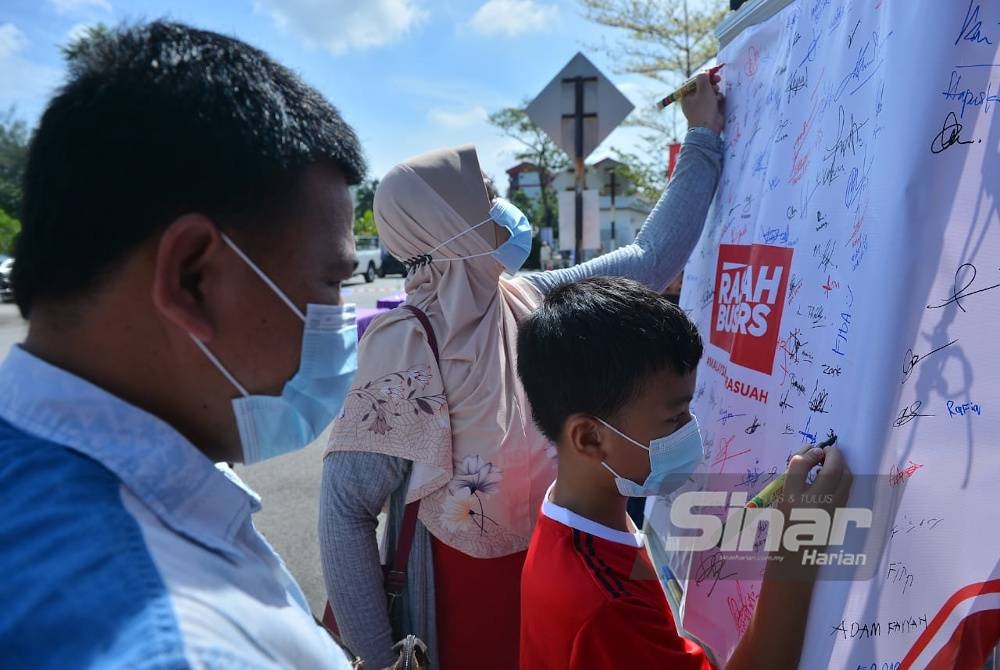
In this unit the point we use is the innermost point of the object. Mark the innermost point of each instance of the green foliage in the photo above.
(364, 197)
(13, 158)
(665, 40)
(9, 228)
(91, 35)
(661, 39)
(539, 150)
(364, 225)
(645, 174)
(364, 204)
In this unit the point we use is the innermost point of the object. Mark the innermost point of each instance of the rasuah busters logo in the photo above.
(750, 285)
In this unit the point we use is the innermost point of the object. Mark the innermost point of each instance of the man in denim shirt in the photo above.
(187, 224)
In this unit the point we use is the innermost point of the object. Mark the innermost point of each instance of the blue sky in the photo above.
(409, 75)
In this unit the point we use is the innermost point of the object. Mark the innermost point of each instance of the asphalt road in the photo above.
(288, 485)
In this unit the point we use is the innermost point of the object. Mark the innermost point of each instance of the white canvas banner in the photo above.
(849, 281)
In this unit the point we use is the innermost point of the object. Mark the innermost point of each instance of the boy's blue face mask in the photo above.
(672, 460)
(273, 425)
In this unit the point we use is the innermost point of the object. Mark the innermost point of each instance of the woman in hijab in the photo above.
(456, 433)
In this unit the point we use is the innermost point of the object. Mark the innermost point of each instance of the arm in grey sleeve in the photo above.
(670, 232)
(355, 487)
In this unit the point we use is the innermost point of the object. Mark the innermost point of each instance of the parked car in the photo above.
(369, 258)
(6, 289)
(391, 265)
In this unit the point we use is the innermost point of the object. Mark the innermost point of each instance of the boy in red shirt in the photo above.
(609, 368)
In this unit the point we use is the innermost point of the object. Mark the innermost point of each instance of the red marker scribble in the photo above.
(742, 607)
(724, 454)
(739, 235)
(784, 369)
(735, 133)
(830, 285)
(753, 61)
(897, 476)
(799, 165)
(800, 158)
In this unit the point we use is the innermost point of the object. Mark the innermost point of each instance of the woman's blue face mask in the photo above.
(512, 253)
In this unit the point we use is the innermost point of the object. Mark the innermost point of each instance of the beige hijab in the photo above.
(480, 467)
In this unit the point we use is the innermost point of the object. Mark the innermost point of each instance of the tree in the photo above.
(539, 150)
(364, 206)
(664, 40)
(364, 225)
(364, 197)
(9, 228)
(75, 46)
(13, 158)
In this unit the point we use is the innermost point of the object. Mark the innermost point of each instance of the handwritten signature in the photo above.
(972, 28)
(711, 567)
(950, 135)
(960, 294)
(742, 607)
(911, 360)
(909, 414)
(865, 67)
(967, 97)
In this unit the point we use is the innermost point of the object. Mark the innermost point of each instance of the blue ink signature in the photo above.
(967, 97)
(865, 67)
(972, 29)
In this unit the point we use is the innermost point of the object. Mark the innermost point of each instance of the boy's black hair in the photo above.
(157, 120)
(593, 345)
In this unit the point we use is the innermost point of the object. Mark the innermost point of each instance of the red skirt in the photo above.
(478, 608)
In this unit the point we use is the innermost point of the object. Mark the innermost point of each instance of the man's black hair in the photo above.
(594, 344)
(157, 120)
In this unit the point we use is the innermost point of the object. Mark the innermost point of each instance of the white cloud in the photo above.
(458, 119)
(23, 81)
(64, 7)
(12, 40)
(513, 17)
(341, 25)
(77, 31)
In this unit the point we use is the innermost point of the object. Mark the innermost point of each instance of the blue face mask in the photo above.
(511, 253)
(273, 425)
(672, 459)
(515, 250)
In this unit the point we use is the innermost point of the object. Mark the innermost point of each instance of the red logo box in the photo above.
(750, 287)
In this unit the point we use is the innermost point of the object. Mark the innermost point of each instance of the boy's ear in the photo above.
(584, 436)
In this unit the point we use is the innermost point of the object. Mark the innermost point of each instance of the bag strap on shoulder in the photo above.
(395, 578)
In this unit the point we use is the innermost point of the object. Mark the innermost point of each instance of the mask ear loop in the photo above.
(260, 273)
(621, 434)
(222, 368)
(412, 264)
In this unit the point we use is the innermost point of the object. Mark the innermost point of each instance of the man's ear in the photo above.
(585, 436)
(186, 255)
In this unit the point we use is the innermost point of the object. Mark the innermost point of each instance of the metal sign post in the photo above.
(578, 116)
(578, 122)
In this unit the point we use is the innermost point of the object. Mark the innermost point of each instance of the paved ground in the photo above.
(289, 485)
